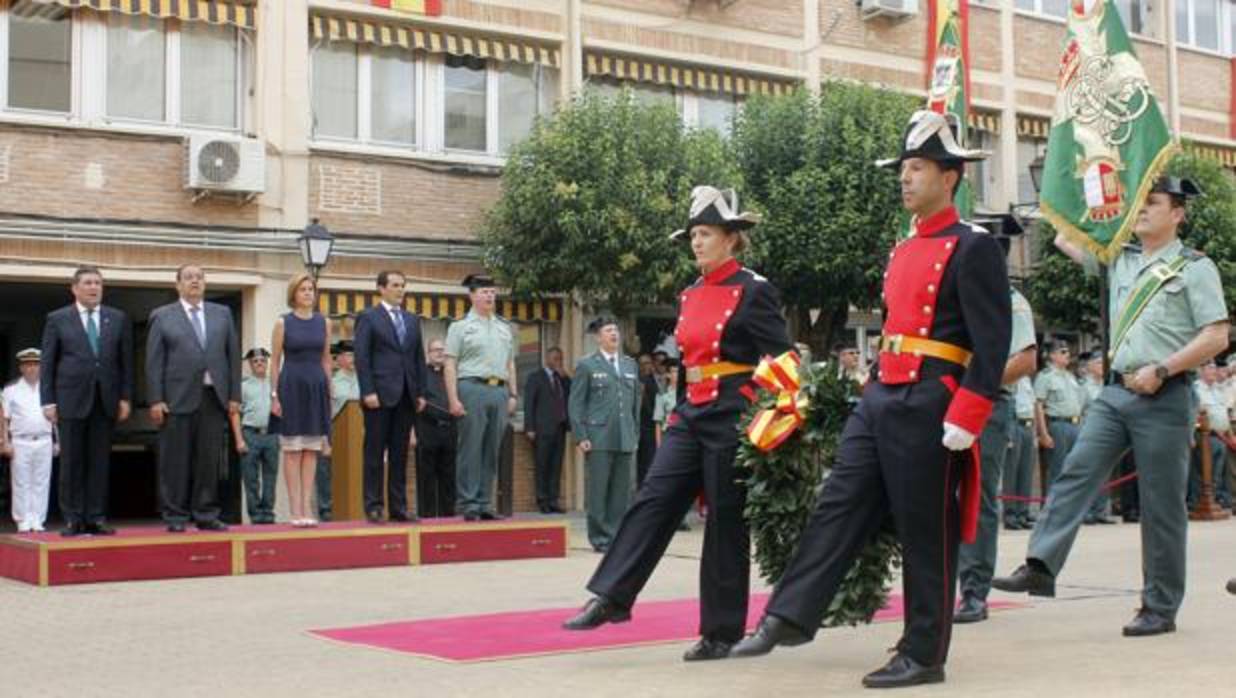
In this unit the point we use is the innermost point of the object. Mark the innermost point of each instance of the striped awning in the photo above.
(701, 79)
(985, 121)
(210, 11)
(438, 306)
(1225, 156)
(1033, 126)
(415, 38)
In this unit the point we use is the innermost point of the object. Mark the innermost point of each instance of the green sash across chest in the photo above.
(1150, 284)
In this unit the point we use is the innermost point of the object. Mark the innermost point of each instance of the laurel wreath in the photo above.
(782, 487)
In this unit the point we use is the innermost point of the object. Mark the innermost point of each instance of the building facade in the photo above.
(138, 135)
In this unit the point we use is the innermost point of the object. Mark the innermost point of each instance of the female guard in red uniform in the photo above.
(728, 320)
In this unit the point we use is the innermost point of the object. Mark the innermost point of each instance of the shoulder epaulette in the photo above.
(755, 276)
(1191, 254)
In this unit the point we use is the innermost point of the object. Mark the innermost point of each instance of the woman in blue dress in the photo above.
(300, 366)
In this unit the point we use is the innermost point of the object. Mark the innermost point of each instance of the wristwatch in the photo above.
(1161, 372)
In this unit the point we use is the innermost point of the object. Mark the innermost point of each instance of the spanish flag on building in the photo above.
(432, 8)
(948, 73)
(1108, 141)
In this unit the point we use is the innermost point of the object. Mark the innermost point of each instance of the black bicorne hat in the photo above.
(932, 136)
(712, 206)
(341, 347)
(257, 353)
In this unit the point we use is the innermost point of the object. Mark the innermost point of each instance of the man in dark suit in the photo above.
(86, 386)
(649, 389)
(390, 362)
(436, 438)
(193, 379)
(546, 425)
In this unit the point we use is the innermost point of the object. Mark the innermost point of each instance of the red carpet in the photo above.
(534, 633)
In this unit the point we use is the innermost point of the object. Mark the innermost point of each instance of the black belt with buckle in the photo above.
(260, 431)
(1070, 420)
(1026, 422)
(491, 382)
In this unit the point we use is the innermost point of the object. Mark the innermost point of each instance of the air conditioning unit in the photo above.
(226, 164)
(895, 9)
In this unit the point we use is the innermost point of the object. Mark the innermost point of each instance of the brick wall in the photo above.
(394, 198)
(105, 175)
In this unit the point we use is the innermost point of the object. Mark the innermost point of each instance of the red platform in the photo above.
(47, 559)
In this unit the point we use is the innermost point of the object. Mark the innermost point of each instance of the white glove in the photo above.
(956, 438)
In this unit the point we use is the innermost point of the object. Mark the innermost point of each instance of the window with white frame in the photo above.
(40, 57)
(1054, 8)
(394, 98)
(133, 69)
(1134, 15)
(715, 112)
(697, 109)
(1197, 23)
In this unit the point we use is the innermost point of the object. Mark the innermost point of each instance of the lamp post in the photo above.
(316, 244)
(1036, 173)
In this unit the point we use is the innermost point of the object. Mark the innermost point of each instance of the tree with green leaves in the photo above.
(831, 215)
(1067, 300)
(590, 197)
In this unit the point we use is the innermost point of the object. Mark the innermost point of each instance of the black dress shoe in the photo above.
(1231, 585)
(597, 612)
(555, 509)
(971, 610)
(542, 508)
(176, 527)
(100, 529)
(72, 529)
(1027, 579)
(772, 631)
(1147, 622)
(404, 517)
(707, 649)
(373, 516)
(472, 516)
(900, 671)
(1103, 519)
(491, 516)
(1013, 525)
(1131, 517)
(212, 525)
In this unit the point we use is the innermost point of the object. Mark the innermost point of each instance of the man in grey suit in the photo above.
(193, 378)
(604, 412)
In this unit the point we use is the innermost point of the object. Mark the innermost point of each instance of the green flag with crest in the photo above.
(1108, 140)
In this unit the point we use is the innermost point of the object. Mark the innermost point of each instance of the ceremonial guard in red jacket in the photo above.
(909, 443)
(728, 320)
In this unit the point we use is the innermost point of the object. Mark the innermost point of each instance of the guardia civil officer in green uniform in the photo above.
(1061, 397)
(976, 562)
(1168, 317)
(1019, 464)
(480, 387)
(256, 442)
(604, 412)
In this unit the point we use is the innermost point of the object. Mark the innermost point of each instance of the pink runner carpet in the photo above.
(518, 634)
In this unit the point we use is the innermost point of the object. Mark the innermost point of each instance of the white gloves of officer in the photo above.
(956, 438)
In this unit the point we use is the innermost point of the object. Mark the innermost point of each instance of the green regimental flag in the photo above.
(1108, 141)
(948, 76)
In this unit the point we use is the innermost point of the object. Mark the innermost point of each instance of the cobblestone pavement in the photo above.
(245, 636)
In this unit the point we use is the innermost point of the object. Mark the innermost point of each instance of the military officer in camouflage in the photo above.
(480, 390)
(1061, 397)
(604, 411)
(976, 562)
(1168, 316)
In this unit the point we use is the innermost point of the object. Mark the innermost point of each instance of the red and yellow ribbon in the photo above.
(771, 427)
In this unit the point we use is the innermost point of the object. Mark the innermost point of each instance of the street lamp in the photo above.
(1036, 173)
(316, 244)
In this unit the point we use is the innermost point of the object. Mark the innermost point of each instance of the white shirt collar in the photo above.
(609, 357)
(389, 308)
(189, 306)
(82, 310)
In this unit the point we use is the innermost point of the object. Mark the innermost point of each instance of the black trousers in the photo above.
(386, 433)
(435, 470)
(547, 462)
(191, 462)
(686, 461)
(85, 446)
(645, 452)
(889, 461)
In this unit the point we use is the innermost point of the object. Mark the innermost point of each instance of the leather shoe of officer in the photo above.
(597, 612)
(1027, 578)
(72, 529)
(900, 671)
(772, 631)
(176, 527)
(212, 525)
(706, 649)
(971, 610)
(1231, 585)
(100, 529)
(373, 516)
(1147, 622)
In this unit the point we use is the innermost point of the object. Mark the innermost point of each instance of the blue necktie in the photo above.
(400, 331)
(198, 326)
(92, 331)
